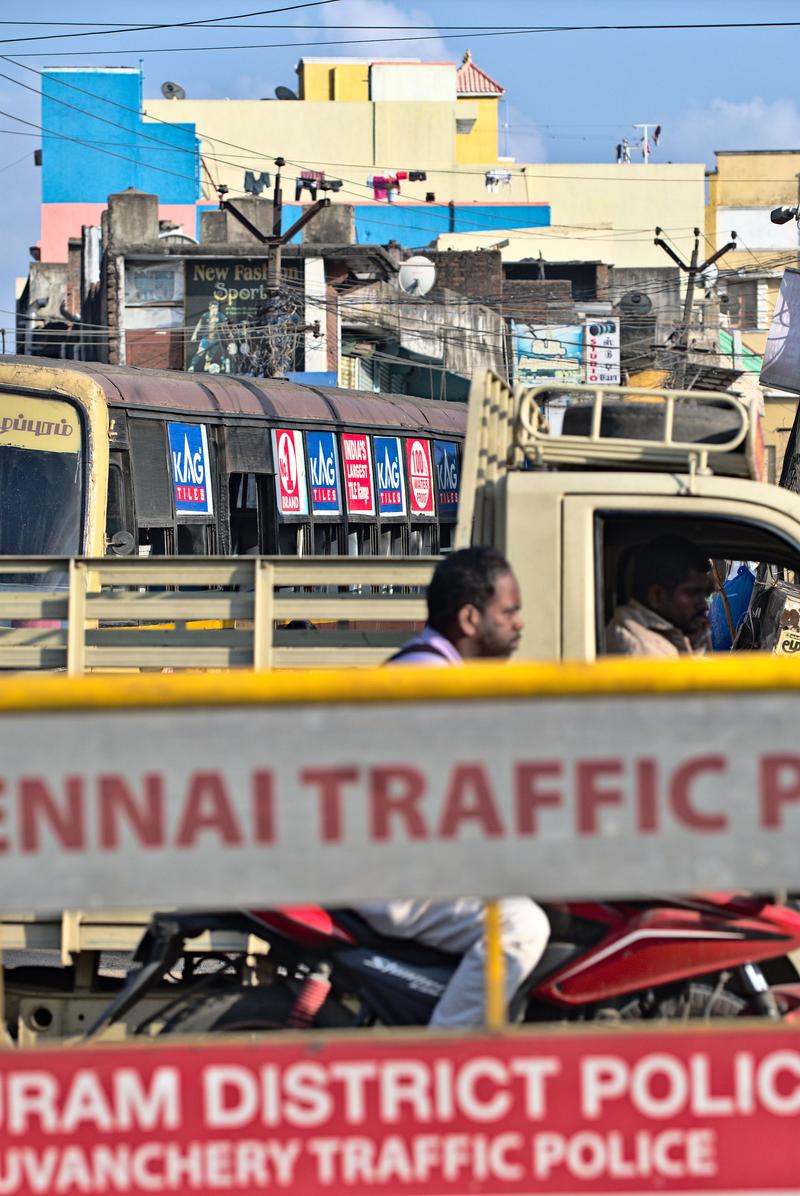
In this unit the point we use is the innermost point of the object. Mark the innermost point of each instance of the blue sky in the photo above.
(571, 95)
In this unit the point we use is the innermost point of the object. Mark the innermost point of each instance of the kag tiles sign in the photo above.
(191, 476)
(323, 464)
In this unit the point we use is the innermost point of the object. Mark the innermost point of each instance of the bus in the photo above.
(98, 459)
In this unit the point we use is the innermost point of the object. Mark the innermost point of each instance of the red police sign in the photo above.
(699, 1111)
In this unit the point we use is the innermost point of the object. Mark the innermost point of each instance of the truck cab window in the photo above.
(727, 542)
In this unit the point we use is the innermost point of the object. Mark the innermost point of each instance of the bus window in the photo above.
(195, 539)
(422, 540)
(326, 539)
(292, 539)
(243, 489)
(151, 478)
(156, 541)
(392, 540)
(41, 476)
(359, 540)
(115, 504)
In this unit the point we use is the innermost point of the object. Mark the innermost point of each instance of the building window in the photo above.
(743, 304)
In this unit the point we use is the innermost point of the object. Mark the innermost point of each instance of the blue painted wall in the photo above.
(85, 159)
(419, 224)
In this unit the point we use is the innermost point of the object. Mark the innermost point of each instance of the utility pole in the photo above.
(693, 269)
(646, 138)
(277, 239)
(278, 314)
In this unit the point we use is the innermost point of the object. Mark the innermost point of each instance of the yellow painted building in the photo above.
(477, 95)
(742, 191)
(600, 212)
(359, 118)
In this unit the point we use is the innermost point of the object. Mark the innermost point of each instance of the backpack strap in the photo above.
(413, 647)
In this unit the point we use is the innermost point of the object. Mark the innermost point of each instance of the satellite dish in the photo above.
(285, 93)
(635, 303)
(417, 275)
(172, 91)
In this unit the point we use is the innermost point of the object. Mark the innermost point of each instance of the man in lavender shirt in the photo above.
(473, 613)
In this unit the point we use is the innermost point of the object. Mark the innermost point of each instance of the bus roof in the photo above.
(276, 398)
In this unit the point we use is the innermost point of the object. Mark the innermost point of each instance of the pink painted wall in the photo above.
(60, 221)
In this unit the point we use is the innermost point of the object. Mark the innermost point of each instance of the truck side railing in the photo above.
(511, 428)
(115, 613)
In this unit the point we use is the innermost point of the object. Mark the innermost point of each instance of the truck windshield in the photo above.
(41, 477)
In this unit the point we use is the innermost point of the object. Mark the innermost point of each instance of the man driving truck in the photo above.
(667, 613)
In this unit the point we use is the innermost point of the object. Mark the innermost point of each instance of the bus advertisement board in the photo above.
(358, 474)
(389, 464)
(323, 464)
(290, 474)
(191, 476)
(448, 468)
(420, 476)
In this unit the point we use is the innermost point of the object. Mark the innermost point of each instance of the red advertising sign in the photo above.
(699, 1111)
(358, 482)
(290, 472)
(420, 476)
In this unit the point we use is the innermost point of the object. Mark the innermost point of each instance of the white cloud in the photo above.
(754, 124)
(372, 13)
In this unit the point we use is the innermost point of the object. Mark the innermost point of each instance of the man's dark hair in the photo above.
(666, 561)
(466, 577)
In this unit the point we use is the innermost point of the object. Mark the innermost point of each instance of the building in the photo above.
(413, 147)
(742, 191)
(409, 155)
(150, 296)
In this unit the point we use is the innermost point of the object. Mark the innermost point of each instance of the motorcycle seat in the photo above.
(409, 950)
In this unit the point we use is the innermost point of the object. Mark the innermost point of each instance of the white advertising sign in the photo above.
(601, 351)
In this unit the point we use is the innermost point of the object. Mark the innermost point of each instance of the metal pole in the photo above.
(683, 343)
(494, 970)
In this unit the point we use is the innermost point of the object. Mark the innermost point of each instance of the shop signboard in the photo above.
(420, 476)
(290, 472)
(389, 467)
(191, 475)
(227, 305)
(358, 480)
(602, 349)
(545, 353)
(448, 476)
(323, 465)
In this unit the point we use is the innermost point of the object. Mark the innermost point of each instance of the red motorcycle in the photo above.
(714, 955)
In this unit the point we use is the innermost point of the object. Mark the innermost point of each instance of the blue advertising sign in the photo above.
(191, 475)
(448, 476)
(389, 462)
(324, 465)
